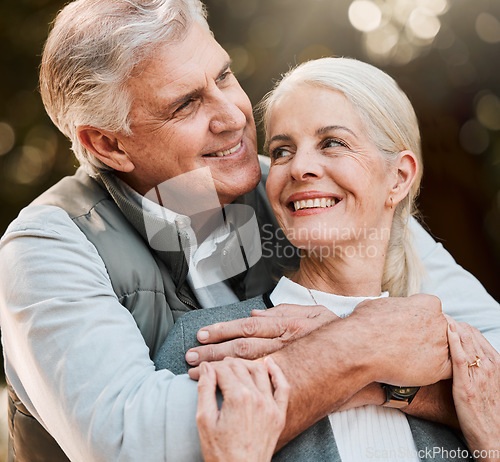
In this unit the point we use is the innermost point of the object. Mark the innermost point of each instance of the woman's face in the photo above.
(328, 183)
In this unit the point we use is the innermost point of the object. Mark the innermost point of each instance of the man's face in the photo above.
(189, 112)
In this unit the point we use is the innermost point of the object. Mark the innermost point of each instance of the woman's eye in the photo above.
(278, 153)
(332, 143)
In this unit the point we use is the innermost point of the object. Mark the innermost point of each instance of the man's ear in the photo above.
(104, 145)
(405, 168)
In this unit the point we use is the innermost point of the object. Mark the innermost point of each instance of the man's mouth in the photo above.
(226, 152)
(316, 203)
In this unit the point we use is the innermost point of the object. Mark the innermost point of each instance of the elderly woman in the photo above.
(345, 171)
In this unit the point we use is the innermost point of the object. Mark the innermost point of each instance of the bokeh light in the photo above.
(488, 27)
(474, 138)
(365, 15)
(423, 24)
(243, 62)
(7, 138)
(488, 111)
(397, 31)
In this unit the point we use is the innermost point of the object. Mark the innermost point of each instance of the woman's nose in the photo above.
(305, 165)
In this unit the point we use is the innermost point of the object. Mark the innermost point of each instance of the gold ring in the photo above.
(476, 363)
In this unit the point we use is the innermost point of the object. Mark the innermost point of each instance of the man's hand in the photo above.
(265, 332)
(408, 338)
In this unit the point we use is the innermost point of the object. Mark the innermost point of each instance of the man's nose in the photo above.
(227, 116)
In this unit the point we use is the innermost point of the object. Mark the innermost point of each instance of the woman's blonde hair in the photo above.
(392, 125)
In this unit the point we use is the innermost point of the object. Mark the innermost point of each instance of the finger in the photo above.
(287, 310)
(459, 359)
(240, 348)
(466, 340)
(470, 342)
(207, 402)
(487, 347)
(261, 378)
(194, 373)
(448, 318)
(246, 327)
(280, 384)
(234, 379)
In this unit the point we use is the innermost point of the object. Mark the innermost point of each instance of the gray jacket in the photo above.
(434, 441)
(151, 284)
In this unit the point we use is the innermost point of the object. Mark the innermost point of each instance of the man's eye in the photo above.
(224, 76)
(184, 105)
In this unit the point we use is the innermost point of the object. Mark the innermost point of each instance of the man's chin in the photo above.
(230, 192)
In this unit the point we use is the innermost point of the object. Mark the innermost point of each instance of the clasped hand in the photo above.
(265, 332)
(405, 338)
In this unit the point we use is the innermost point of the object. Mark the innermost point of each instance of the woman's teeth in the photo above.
(323, 202)
(226, 153)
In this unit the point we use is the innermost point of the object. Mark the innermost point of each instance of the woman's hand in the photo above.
(476, 389)
(253, 413)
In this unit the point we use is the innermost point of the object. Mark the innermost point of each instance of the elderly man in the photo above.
(94, 273)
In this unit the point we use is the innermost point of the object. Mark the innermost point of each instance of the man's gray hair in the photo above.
(93, 49)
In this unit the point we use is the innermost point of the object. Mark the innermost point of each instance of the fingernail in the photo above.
(203, 335)
(192, 357)
(452, 327)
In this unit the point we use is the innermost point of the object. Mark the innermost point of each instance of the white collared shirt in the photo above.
(205, 275)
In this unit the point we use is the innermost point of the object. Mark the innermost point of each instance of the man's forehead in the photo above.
(183, 67)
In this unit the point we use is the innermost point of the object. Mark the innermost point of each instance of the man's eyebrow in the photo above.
(171, 107)
(329, 128)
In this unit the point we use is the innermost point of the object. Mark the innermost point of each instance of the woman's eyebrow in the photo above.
(280, 137)
(329, 128)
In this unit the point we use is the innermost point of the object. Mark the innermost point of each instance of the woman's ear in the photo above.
(105, 147)
(405, 168)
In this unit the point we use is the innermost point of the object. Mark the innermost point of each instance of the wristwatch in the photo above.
(398, 397)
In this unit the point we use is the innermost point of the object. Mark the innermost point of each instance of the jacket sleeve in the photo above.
(75, 356)
(462, 295)
(183, 335)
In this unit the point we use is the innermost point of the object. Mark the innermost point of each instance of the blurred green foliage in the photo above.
(451, 77)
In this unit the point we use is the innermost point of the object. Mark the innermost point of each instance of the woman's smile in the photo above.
(310, 202)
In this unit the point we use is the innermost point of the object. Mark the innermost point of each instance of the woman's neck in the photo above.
(355, 274)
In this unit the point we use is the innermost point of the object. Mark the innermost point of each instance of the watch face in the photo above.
(405, 391)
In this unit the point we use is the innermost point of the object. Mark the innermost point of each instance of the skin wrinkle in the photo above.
(305, 159)
(222, 115)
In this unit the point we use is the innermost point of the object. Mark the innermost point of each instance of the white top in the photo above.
(366, 433)
(205, 275)
(60, 347)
